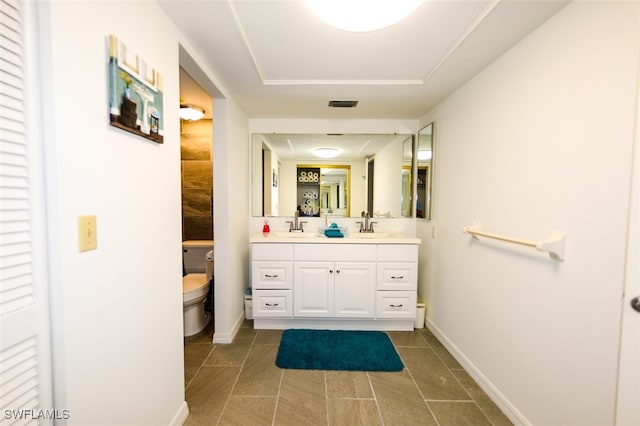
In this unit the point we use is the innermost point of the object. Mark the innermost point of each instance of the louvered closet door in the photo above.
(25, 375)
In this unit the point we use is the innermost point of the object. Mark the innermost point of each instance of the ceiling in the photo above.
(276, 59)
(352, 146)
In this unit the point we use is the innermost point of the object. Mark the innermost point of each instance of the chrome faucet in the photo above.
(366, 226)
(295, 226)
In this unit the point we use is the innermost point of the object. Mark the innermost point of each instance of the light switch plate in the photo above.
(87, 233)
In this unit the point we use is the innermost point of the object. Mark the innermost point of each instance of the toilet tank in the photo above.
(193, 255)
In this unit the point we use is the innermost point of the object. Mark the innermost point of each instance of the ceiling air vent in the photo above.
(343, 104)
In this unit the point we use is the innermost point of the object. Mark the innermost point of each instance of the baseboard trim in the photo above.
(225, 338)
(181, 415)
(332, 324)
(496, 396)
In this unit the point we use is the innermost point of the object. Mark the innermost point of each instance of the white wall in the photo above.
(275, 190)
(358, 188)
(288, 181)
(231, 215)
(540, 140)
(116, 311)
(387, 172)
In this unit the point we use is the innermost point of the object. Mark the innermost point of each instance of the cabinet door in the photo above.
(354, 290)
(313, 289)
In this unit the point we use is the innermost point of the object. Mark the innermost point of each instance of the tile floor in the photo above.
(239, 384)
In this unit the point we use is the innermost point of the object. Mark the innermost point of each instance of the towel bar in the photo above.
(554, 245)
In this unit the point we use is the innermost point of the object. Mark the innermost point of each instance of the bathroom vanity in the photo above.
(362, 281)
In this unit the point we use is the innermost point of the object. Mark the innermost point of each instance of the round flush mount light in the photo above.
(424, 154)
(326, 152)
(363, 15)
(191, 112)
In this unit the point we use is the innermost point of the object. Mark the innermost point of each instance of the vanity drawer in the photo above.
(272, 275)
(272, 251)
(397, 276)
(397, 253)
(272, 303)
(396, 304)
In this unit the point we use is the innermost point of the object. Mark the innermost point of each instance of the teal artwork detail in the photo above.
(337, 350)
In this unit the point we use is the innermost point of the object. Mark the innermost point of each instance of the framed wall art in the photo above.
(135, 93)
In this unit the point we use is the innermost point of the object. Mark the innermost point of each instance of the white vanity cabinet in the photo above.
(334, 284)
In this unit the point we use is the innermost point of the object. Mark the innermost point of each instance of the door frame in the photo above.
(628, 383)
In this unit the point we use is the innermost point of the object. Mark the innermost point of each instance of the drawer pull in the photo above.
(396, 306)
(271, 305)
(270, 276)
(399, 277)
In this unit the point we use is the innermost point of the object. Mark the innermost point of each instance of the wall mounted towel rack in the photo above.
(554, 245)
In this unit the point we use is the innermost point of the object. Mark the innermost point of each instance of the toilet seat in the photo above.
(194, 286)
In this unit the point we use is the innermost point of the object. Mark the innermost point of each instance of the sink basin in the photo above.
(294, 234)
(368, 235)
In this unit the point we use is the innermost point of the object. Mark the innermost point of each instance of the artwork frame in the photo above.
(135, 93)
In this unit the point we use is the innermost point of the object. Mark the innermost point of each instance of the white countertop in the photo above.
(316, 238)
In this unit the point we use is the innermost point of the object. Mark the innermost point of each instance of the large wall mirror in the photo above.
(341, 175)
(424, 157)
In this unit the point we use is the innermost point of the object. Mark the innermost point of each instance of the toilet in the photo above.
(198, 266)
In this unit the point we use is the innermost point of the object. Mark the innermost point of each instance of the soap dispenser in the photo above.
(265, 227)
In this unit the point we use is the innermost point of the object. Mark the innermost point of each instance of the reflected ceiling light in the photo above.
(325, 152)
(191, 112)
(363, 15)
(424, 154)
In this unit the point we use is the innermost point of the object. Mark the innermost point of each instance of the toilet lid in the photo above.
(193, 282)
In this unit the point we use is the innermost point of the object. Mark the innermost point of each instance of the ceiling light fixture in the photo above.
(326, 152)
(363, 15)
(424, 154)
(191, 112)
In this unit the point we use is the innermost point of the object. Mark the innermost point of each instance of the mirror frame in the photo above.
(428, 190)
(408, 204)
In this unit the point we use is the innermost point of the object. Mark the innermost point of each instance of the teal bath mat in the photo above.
(337, 350)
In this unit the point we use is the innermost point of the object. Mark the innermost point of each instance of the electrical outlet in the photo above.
(87, 233)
